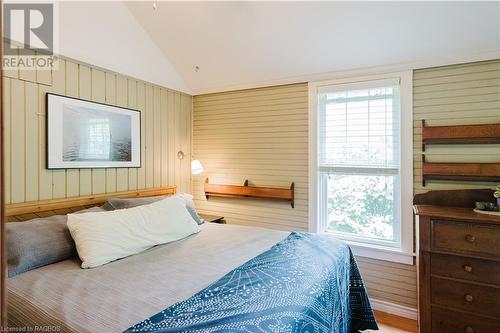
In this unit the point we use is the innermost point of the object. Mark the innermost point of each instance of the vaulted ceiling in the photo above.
(244, 43)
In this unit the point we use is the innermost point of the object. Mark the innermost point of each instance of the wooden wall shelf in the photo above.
(461, 134)
(245, 191)
(487, 172)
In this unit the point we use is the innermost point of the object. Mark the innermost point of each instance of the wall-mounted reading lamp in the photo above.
(196, 167)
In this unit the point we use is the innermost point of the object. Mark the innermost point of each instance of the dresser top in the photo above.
(455, 213)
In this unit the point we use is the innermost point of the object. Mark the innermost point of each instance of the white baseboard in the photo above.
(395, 309)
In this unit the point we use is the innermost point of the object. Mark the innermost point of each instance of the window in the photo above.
(97, 141)
(360, 167)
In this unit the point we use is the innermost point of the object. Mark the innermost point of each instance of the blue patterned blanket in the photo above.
(305, 283)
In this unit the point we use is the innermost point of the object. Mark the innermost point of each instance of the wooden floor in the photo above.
(393, 324)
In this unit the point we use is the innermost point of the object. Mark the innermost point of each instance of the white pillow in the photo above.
(106, 236)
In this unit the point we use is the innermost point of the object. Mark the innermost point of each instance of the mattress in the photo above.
(111, 298)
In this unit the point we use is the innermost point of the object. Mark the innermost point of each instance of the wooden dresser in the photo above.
(458, 264)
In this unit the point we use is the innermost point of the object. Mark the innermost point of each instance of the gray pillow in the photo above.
(107, 206)
(91, 210)
(39, 242)
(119, 203)
(188, 199)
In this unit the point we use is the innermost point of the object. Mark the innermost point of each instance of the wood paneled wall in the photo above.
(390, 281)
(259, 135)
(165, 129)
(455, 95)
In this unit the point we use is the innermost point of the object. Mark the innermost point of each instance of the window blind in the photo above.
(359, 125)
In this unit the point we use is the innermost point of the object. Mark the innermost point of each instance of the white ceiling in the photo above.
(250, 43)
(119, 44)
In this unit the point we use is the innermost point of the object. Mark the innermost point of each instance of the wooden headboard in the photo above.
(29, 210)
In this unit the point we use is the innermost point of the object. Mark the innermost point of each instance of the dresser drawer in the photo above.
(479, 270)
(466, 296)
(447, 321)
(466, 237)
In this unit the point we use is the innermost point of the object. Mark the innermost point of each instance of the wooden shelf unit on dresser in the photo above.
(458, 263)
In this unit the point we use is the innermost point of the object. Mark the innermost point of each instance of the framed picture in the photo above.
(84, 134)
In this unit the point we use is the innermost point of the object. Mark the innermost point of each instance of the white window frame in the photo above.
(403, 252)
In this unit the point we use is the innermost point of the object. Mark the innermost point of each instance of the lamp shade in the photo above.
(196, 167)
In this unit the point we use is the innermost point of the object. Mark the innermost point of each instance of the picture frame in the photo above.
(84, 134)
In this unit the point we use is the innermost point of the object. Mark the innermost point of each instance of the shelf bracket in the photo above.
(423, 177)
(423, 143)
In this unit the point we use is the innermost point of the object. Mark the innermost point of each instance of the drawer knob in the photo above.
(470, 238)
(469, 298)
(469, 329)
(468, 268)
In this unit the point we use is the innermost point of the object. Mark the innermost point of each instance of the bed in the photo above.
(129, 294)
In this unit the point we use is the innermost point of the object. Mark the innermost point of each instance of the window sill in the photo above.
(380, 253)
